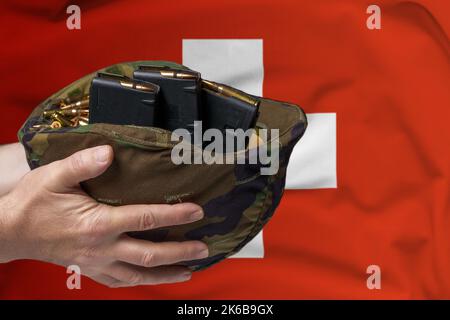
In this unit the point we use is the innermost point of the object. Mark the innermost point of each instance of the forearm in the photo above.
(13, 166)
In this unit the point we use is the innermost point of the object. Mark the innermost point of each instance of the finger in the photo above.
(129, 275)
(145, 217)
(106, 280)
(80, 166)
(150, 254)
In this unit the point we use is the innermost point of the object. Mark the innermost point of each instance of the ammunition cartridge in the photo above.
(55, 125)
(178, 75)
(66, 112)
(84, 103)
(127, 82)
(170, 73)
(143, 87)
(74, 122)
(57, 116)
(230, 92)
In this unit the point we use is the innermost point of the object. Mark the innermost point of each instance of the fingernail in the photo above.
(197, 215)
(202, 253)
(185, 276)
(102, 154)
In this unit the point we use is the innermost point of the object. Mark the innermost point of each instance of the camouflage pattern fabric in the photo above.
(237, 200)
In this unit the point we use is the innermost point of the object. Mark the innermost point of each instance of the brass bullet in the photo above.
(57, 116)
(143, 87)
(183, 75)
(75, 105)
(178, 75)
(75, 122)
(168, 74)
(171, 73)
(66, 112)
(55, 125)
(127, 84)
(230, 92)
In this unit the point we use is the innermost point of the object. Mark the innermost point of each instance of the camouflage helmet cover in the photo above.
(237, 200)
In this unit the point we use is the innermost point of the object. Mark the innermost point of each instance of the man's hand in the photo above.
(48, 217)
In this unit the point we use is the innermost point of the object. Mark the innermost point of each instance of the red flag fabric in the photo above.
(389, 88)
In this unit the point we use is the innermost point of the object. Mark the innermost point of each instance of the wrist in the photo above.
(8, 245)
(13, 166)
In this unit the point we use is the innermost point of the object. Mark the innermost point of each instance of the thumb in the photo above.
(80, 166)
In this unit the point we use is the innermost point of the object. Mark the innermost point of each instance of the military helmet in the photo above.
(236, 198)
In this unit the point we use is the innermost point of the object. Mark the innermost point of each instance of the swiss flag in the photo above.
(368, 185)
